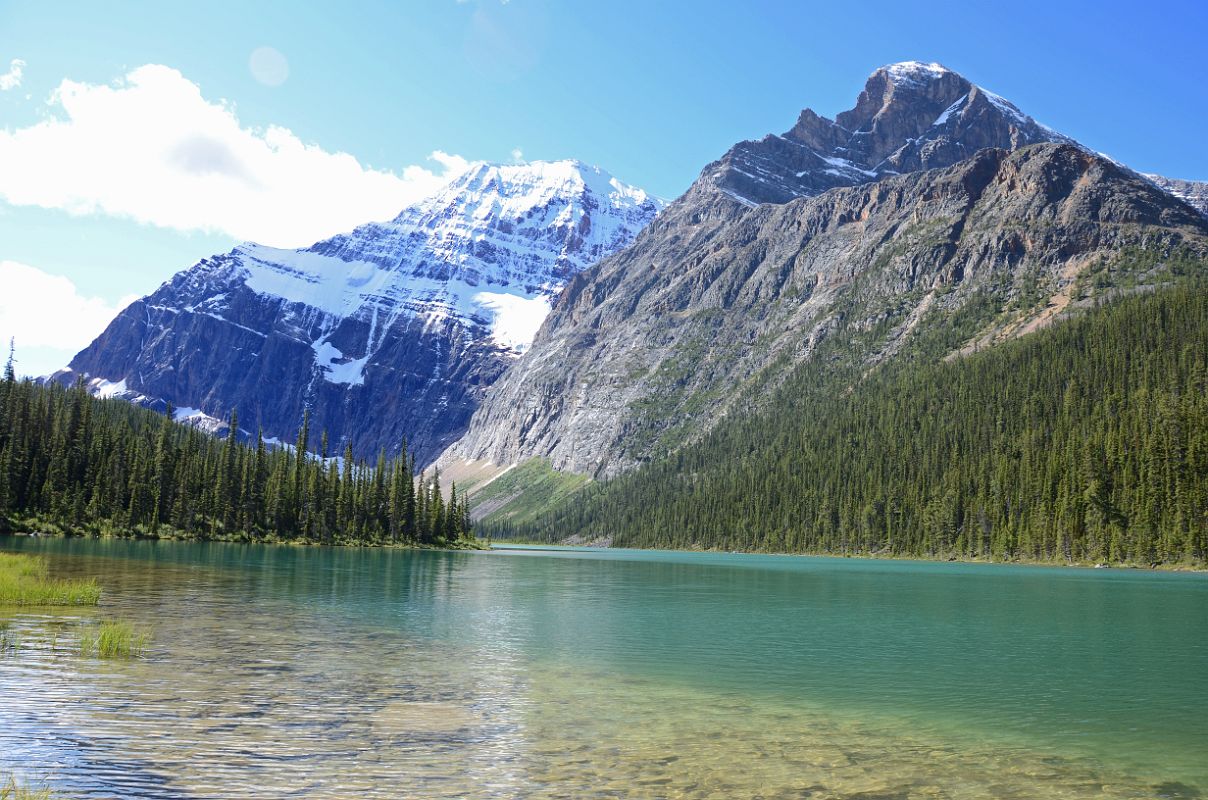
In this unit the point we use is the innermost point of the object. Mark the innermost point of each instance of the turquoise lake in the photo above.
(578, 673)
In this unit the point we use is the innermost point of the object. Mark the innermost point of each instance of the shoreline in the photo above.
(12, 528)
(487, 545)
(1128, 566)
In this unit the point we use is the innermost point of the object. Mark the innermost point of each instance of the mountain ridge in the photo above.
(909, 116)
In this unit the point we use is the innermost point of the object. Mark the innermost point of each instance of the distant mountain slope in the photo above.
(1194, 193)
(740, 279)
(1087, 442)
(392, 330)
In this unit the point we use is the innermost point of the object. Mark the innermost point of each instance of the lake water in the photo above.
(325, 673)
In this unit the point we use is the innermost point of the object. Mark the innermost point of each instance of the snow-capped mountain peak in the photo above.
(910, 116)
(915, 72)
(492, 249)
(425, 309)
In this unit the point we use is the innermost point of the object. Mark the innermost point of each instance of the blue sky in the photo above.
(164, 146)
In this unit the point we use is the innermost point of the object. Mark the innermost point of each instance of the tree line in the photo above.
(103, 466)
(1086, 441)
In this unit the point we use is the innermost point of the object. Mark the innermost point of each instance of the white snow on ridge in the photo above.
(343, 289)
(324, 282)
(1007, 107)
(491, 250)
(915, 72)
(846, 166)
(198, 419)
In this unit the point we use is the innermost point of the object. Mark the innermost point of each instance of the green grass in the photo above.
(114, 639)
(25, 581)
(525, 492)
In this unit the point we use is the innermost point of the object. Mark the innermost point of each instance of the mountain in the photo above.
(1086, 442)
(395, 329)
(1194, 193)
(932, 198)
(909, 117)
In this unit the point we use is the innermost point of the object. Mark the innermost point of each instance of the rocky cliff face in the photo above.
(778, 245)
(395, 329)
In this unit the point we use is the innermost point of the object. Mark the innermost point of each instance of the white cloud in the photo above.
(152, 149)
(517, 154)
(12, 78)
(48, 317)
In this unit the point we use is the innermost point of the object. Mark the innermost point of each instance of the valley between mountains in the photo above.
(594, 363)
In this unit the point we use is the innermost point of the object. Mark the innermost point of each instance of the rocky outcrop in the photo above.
(393, 330)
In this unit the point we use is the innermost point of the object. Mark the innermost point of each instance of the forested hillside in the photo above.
(71, 462)
(1086, 441)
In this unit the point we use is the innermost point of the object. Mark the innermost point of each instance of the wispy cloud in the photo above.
(517, 154)
(151, 148)
(12, 78)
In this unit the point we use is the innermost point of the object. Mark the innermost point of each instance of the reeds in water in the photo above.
(114, 639)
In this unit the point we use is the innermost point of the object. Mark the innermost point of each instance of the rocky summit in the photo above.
(932, 197)
(910, 116)
(393, 330)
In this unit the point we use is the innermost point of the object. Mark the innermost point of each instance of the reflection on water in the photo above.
(291, 672)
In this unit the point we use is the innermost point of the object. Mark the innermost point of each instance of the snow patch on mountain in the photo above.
(515, 318)
(338, 368)
(949, 111)
(106, 389)
(198, 419)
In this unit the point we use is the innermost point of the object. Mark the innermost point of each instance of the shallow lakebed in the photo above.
(338, 672)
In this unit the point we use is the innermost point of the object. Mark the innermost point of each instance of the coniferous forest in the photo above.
(1086, 441)
(74, 463)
